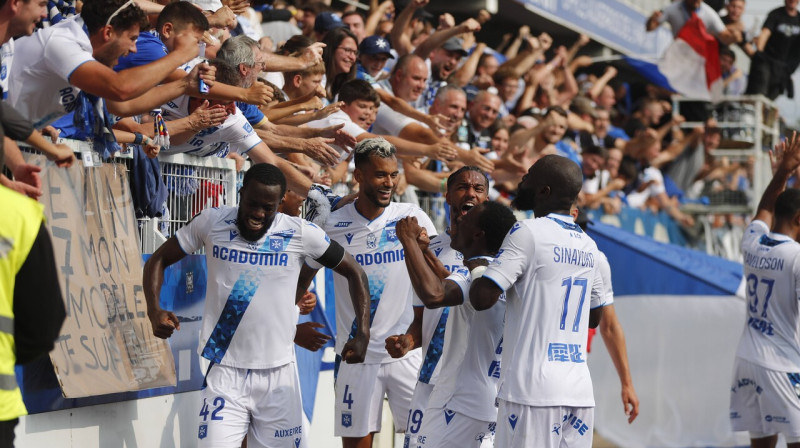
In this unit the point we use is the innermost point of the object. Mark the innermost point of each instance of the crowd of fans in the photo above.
(297, 84)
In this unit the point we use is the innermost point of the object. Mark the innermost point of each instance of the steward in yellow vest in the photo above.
(31, 305)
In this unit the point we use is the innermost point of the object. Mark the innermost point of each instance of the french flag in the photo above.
(689, 66)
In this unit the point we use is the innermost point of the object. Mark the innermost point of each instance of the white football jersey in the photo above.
(250, 317)
(234, 134)
(434, 321)
(771, 336)
(39, 81)
(548, 268)
(471, 360)
(375, 247)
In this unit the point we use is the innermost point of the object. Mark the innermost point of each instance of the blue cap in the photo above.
(327, 21)
(375, 45)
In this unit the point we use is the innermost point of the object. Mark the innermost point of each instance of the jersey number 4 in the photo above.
(567, 283)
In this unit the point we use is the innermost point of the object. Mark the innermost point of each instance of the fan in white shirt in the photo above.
(547, 267)
(53, 66)
(461, 411)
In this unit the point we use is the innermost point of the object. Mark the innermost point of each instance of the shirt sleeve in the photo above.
(463, 280)
(244, 137)
(598, 289)
(16, 126)
(390, 121)
(714, 25)
(192, 236)
(771, 22)
(605, 272)
(753, 233)
(252, 113)
(38, 304)
(64, 55)
(315, 241)
(513, 258)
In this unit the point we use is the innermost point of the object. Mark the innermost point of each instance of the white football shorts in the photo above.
(360, 389)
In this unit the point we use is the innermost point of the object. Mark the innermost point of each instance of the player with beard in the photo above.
(254, 256)
(466, 188)
(366, 227)
(547, 267)
(461, 411)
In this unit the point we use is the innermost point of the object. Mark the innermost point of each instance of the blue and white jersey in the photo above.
(39, 80)
(250, 317)
(471, 361)
(375, 246)
(548, 268)
(771, 336)
(233, 135)
(434, 320)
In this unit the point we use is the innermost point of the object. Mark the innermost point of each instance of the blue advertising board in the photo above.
(610, 22)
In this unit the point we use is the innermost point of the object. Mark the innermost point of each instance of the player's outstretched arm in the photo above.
(786, 167)
(614, 338)
(356, 349)
(430, 289)
(164, 322)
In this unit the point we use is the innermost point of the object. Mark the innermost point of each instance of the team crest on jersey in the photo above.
(391, 234)
(347, 419)
(372, 241)
(275, 243)
(557, 429)
(343, 224)
(349, 237)
(297, 442)
(448, 415)
(202, 432)
(512, 420)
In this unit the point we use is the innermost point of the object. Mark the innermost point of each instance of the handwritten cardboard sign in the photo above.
(106, 344)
